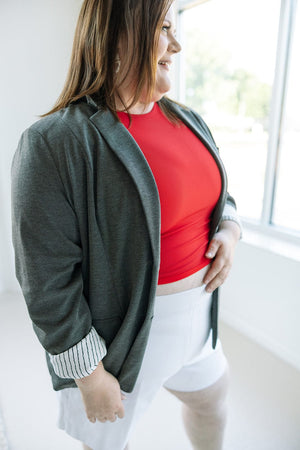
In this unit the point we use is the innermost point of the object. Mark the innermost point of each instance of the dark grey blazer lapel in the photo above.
(126, 149)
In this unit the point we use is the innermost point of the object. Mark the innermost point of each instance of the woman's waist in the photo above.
(192, 281)
(182, 253)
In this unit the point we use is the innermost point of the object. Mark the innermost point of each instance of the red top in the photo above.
(189, 185)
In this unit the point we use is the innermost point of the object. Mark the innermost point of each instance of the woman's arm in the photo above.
(48, 266)
(48, 260)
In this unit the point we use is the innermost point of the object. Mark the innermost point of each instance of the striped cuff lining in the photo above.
(82, 359)
(230, 213)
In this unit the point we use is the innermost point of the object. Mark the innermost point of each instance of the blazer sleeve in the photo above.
(48, 260)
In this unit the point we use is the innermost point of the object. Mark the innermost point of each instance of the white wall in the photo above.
(261, 298)
(35, 44)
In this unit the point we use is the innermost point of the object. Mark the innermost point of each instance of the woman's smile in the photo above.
(165, 64)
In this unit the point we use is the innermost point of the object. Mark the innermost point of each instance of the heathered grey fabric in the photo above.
(86, 233)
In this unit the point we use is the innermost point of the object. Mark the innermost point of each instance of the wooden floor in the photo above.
(264, 400)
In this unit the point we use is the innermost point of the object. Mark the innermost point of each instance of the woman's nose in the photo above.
(174, 46)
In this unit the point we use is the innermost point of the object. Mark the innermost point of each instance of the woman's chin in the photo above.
(160, 91)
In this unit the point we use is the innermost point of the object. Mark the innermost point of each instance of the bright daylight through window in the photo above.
(286, 212)
(227, 72)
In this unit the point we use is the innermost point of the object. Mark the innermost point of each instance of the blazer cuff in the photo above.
(229, 213)
(82, 359)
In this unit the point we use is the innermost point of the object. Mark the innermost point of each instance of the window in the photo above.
(228, 73)
(287, 213)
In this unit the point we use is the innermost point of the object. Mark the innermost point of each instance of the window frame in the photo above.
(286, 26)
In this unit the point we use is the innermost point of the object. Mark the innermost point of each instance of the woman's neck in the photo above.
(142, 106)
(137, 108)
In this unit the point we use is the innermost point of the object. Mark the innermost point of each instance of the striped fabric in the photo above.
(82, 359)
(229, 213)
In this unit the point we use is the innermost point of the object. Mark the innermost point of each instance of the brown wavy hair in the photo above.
(101, 26)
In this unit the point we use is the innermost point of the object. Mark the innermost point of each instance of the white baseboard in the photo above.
(260, 338)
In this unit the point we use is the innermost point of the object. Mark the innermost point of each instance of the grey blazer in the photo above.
(86, 233)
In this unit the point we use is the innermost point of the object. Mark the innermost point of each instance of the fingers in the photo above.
(121, 412)
(216, 278)
(218, 271)
(109, 417)
(213, 248)
(221, 250)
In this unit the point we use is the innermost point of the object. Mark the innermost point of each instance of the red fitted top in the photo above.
(189, 185)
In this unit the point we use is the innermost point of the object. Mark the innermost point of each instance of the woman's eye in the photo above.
(166, 28)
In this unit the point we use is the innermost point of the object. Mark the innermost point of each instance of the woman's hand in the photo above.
(101, 396)
(221, 249)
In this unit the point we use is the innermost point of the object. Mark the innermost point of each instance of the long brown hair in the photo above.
(101, 26)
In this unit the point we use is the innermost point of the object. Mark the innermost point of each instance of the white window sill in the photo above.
(272, 240)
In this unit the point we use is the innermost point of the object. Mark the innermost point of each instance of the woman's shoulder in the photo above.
(62, 122)
(188, 115)
(59, 136)
(181, 109)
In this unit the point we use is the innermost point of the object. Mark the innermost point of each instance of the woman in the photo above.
(122, 229)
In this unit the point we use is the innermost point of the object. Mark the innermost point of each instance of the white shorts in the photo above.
(178, 356)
